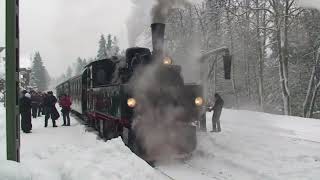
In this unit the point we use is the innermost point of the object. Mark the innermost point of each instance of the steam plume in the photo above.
(161, 9)
(145, 12)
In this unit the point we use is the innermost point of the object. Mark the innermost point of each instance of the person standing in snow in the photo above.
(34, 104)
(25, 111)
(65, 103)
(40, 101)
(217, 108)
(49, 103)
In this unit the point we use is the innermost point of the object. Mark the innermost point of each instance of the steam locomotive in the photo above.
(142, 98)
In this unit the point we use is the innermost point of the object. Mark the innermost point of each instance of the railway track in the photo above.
(183, 170)
(164, 174)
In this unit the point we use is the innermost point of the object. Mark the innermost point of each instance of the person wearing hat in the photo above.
(25, 111)
(65, 103)
(217, 109)
(34, 104)
(49, 103)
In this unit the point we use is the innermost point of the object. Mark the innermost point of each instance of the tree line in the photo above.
(107, 47)
(275, 47)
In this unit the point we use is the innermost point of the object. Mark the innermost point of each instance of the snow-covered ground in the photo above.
(71, 153)
(252, 145)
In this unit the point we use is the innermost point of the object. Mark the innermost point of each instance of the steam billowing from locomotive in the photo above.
(165, 107)
(161, 10)
(146, 12)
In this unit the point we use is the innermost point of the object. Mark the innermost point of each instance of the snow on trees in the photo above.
(102, 51)
(79, 65)
(108, 48)
(39, 74)
(69, 72)
(272, 43)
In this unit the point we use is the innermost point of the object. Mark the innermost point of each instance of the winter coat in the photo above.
(65, 103)
(49, 104)
(25, 111)
(49, 101)
(25, 105)
(218, 105)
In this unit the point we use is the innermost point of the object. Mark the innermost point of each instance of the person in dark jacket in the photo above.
(217, 108)
(34, 104)
(40, 103)
(49, 103)
(25, 111)
(65, 103)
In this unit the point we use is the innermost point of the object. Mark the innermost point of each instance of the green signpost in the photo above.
(12, 80)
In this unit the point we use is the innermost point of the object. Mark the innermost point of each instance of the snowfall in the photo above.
(252, 145)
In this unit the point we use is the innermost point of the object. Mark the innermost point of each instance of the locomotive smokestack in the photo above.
(157, 30)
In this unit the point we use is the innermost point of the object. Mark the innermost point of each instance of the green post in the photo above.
(12, 80)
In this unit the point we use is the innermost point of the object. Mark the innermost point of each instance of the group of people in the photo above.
(36, 104)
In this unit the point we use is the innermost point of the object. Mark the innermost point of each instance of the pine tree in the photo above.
(39, 74)
(102, 52)
(109, 45)
(115, 46)
(78, 66)
(69, 72)
(84, 63)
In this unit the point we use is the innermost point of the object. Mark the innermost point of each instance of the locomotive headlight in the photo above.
(131, 102)
(167, 61)
(199, 101)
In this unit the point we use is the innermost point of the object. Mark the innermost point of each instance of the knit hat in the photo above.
(27, 95)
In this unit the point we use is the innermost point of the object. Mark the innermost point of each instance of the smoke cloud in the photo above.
(145, 12)
(160, 109)
(161, 10)
(162, 100)
(139, 19)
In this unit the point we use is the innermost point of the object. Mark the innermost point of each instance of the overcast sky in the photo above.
(62, 30)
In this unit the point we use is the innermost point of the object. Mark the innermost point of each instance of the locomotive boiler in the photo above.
(141, 97)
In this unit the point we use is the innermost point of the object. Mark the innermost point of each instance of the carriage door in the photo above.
(84, 91)
(89, 86)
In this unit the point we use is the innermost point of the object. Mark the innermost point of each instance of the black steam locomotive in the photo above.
(142, 98)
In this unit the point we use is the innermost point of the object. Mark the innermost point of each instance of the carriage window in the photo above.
(103, 73)
(101, 76)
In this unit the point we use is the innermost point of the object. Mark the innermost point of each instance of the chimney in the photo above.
(157, 30)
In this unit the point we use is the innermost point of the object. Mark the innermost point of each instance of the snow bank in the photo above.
(117, 162)
(2, 132)
(254, 146)
(111, 160)
(262, 146)
(10, 170)
(71, 153)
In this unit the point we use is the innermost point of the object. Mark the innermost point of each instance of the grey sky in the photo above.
(62, 30)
